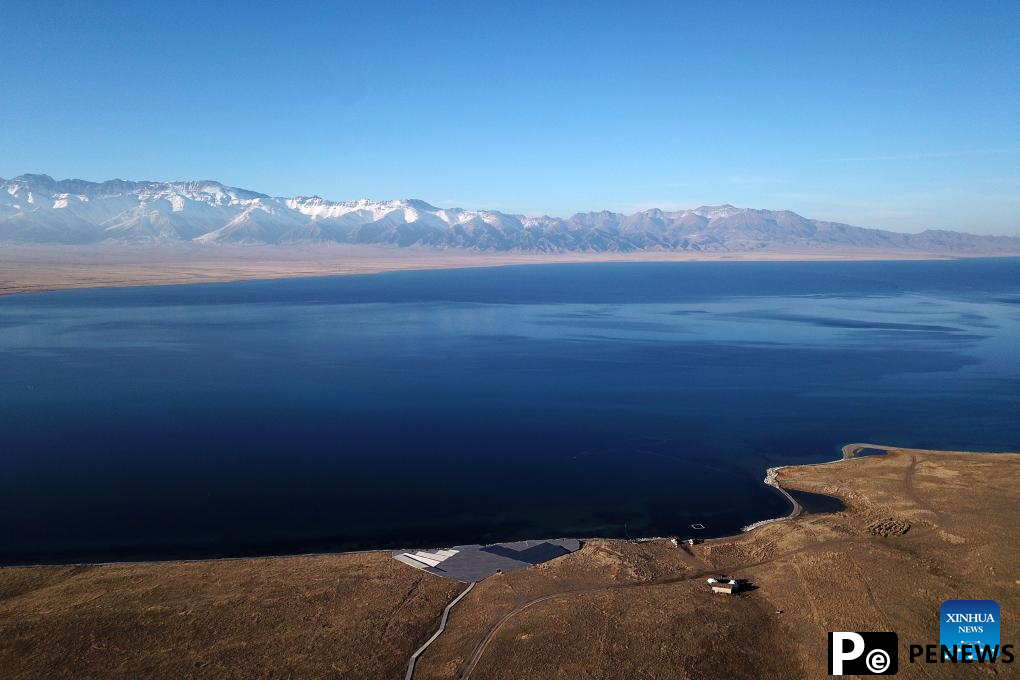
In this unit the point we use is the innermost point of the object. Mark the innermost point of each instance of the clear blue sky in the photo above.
(901, 115)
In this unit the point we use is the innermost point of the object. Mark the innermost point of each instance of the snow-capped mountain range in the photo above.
(39, 209)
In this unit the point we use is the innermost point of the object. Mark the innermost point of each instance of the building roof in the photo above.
(474, 562)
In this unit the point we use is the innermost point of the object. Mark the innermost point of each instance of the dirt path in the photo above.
(941, 519)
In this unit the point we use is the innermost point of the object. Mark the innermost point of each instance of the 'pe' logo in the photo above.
(863, 653)
(970, 625)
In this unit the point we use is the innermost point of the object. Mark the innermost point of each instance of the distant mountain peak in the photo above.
(39, 209)
(714, 211)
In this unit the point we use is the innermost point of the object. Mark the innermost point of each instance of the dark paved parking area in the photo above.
(475, 562)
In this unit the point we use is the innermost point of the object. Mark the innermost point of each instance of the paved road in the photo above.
(442, 627)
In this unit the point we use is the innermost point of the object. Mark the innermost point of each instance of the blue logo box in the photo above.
(969, 622)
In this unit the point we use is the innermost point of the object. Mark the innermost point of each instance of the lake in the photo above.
(422, 409)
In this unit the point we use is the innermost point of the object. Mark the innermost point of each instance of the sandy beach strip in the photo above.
(36, 268)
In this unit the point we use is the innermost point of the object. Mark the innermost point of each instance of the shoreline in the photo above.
(37, 269)
(914, 533)
(772, 479)
(849, 451)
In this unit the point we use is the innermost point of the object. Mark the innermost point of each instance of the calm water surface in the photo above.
(433, 408)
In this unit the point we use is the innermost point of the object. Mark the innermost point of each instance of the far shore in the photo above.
(37, 268)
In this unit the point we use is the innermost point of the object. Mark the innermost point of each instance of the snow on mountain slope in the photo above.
(39, 209)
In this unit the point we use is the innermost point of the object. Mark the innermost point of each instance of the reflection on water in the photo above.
(433, 408)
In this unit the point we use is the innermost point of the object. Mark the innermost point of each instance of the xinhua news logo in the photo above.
(969, 629)
(863, 653)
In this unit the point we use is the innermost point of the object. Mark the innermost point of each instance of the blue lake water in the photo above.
(434, 408)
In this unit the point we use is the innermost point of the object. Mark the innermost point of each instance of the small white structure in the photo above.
(422, 559)
(724, 587)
